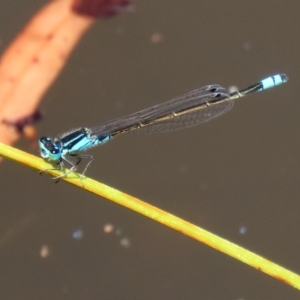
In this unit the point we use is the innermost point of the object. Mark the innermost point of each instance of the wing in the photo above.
(188, 110)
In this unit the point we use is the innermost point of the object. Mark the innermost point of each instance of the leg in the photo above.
(82, 156)
(61, 164)
(61, 168)
(73, 166)
(91, 158)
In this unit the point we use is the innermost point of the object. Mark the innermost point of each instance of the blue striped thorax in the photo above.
(80, 140)
(72, 143)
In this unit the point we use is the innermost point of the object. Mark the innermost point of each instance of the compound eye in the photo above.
(44, 153)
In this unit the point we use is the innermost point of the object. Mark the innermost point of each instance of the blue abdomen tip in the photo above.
(274, 80)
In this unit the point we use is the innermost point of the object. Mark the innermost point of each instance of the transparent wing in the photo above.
(187, 120)
(145, 121)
